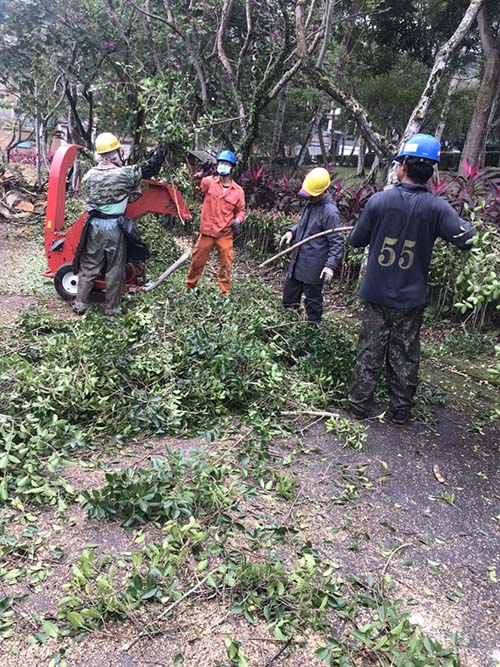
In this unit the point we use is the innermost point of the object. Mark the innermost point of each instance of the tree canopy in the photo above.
(211, 73)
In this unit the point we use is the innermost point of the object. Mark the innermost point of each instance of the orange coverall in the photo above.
(220, 207)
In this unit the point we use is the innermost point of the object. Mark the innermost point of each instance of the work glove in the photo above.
(326, 275)
(235, 224)
(286, 239)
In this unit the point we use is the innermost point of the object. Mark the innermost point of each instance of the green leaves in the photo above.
(470, 281)
(149, 373)
(137, 496)
(162, 98)
(352, 434)
(235, 653)
(50, 629)
(109, 587)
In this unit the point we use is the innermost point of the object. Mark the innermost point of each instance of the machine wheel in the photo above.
(66, 282)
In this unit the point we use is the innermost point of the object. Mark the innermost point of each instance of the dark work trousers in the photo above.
(292, 295)
(105, 253)
(390, 338)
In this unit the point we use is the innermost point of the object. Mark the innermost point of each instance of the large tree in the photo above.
(330, 84)
(489, 89)
(216, 68)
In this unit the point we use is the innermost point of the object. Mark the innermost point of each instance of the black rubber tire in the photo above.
(66, 282)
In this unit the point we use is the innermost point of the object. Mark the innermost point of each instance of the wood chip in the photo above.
(24, 205)
(437, 474)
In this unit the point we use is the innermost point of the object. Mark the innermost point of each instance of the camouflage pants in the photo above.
(389, 338)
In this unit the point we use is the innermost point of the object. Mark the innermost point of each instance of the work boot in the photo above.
(400, 417)
(356, 413)
(359, 416)
(371, 412)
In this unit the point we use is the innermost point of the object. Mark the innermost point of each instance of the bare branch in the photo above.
(327, 31)
(246, 43)
(221, 34)
(171, 23)
(146, 21)
(376, 139)
(125, 38)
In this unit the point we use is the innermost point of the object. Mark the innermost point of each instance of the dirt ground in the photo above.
(424, 508)
(22, 286)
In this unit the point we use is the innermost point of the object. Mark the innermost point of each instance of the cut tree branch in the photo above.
(297, 245)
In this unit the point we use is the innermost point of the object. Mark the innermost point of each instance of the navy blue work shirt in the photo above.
(308, 261)
(401, 225)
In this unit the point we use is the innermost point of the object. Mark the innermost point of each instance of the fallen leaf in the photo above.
(437, 474)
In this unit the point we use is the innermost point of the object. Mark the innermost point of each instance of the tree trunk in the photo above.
(78, 131)
(44, 143)
(441, 62)
(251, 134)
(325, 83)
(278, 125)
(438, 71)
(38, 151)
(319, 129)
(446, 107)
(485, 102)
(300, 157)
(138, 131)
(17, 132)
(360, 170)
(371, 179)
(227, 8)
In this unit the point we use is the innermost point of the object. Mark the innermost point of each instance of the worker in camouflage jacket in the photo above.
(400, 225)
(313, 264)
(103, 244)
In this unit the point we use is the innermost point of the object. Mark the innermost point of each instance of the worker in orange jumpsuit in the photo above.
(222, 212)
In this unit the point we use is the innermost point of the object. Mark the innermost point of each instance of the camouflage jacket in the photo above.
(104, 185)
(109, 186)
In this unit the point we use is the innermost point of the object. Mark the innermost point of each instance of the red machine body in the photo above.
(61, 241)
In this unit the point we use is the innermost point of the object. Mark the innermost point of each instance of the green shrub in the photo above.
(260, 233)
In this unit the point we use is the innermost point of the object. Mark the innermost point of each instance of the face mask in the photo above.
(116, 158)
(223, 169)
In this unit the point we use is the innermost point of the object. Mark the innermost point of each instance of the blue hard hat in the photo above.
(421, 145)
(227, 156)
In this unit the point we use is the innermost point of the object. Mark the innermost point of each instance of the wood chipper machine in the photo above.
(61, 241)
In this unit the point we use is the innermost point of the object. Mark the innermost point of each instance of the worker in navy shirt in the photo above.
(400, 226)
(313, 264)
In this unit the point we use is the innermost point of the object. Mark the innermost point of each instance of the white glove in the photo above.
(286, 239)
(326, 275)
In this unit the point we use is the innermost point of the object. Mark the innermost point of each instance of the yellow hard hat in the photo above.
(106, 142)
(315, 182)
